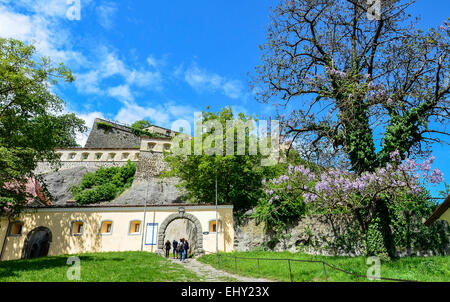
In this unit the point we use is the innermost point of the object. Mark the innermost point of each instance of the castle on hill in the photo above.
(112, 144)
(142, 218)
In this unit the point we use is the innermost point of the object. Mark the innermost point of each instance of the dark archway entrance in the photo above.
(37, 243)
(197, 226)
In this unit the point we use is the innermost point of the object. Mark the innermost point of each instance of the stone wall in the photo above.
(151, 164)
(312, 234)
(118, 137)
(98, 154)
(315, 234)
(45, 167)
(155, 144)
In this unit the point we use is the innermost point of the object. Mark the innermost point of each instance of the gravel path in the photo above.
(210, 274)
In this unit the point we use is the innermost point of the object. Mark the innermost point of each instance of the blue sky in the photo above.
(160, 60)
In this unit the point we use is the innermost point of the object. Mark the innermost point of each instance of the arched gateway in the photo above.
(37, 243)
(181, 215)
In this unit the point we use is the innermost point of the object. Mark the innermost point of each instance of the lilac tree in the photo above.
(366, 86)
(333, 191)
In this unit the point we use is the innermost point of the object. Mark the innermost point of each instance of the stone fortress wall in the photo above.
(119, 136)
(44, 168)
(98, 154)
(115, 147)
(111, 148)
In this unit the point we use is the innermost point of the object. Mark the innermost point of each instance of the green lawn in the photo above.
(411, 268)
(97, 267)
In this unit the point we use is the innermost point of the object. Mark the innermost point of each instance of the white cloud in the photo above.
(180, 111)
(233, 89)
(132, 112)
(151, 60)
(202, 80)
(121, 92)
(92, 81)
(52, 8)
(46, 33)
(111, 65)
(106, 13)
(14, 25)
(178, 71)
(145, 79)
(88, 82)
(162, 114)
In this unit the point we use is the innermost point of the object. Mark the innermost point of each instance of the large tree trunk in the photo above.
(379, 237)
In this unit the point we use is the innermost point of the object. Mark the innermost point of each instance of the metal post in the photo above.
(259, 272)
(217, 224)
(325, 272)
(290, 272)
(144, 231)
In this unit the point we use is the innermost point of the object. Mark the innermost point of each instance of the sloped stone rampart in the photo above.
(117, 137)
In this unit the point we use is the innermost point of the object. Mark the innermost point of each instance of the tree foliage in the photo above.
(104, 184)
(362, 75)
(31, 121)
(333, 191)
(238, 176)
(141, 124)
(357, 82)
(281, 211)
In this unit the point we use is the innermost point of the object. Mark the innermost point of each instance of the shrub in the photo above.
(105, 192)
(104, 184)
(107, 127)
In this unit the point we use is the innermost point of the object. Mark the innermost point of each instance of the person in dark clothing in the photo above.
(185, 248)
(175, 251)
(168, 246)
(181, 249)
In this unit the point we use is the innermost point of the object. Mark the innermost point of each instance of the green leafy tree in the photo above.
(141, 124)
(355, 80)
(238, 176)
(31, 121)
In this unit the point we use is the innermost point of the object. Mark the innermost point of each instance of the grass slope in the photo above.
(410, 268)
(97, 267)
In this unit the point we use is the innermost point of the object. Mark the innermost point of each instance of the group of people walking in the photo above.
(180, 249)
